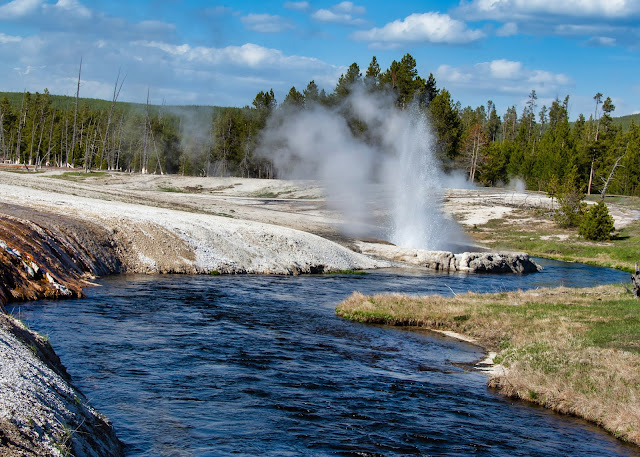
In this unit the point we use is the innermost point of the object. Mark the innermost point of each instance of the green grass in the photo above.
(266, 195)
(271, 194)
(80, 175)
(170, 189)
(576, 351)
(22, 170)
(622, 200)
(538, 240)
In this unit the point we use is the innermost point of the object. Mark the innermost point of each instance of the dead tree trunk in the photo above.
(20, 121)
(75, 119)
(608, 181)
(2, 145)
(635, 282)
(116, 94)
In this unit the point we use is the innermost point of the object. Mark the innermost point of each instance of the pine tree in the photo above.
(294, 99)
(446, 124)
(597, 223)
(372, 76)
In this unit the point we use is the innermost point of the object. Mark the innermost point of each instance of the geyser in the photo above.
(377, 165)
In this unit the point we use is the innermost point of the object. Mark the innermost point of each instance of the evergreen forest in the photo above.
(539, 146)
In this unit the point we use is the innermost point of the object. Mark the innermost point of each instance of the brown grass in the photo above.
(570, 350)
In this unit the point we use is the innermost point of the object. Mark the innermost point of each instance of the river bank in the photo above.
(41, 413)
(61, 230)
(571, 350)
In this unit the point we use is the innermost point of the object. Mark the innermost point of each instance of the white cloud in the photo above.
(72, 18)
(521, 9)
(343, 13)
(505, 69)
(427, 28)
(227, 76)
(266, 23)
(572, 18)
(248, 55)
(68, 7)
(601, 42)
(502, 76)
(508, 29)
(349, 8)
(4, 39)
(17, 9)
(297, 6)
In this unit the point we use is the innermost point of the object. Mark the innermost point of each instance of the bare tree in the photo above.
(2, 140)
(145, 138)
(75, 120)
(473, 146)
(608, 180)
(21, 120)
(116, 94)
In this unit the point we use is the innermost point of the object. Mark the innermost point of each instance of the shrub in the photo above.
(597, 223)
(570, 205)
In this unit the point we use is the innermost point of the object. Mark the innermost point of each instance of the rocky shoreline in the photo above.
(41, 413)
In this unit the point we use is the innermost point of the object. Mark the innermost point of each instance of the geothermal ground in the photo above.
(58, 230)
(162, 224)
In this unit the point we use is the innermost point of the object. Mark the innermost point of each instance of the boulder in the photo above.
(471, 262)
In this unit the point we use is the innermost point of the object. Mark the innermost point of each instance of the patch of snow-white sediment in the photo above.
(219, 243)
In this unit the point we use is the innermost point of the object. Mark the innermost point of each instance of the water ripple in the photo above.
(217, 366)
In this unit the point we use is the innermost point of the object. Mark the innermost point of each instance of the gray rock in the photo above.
(471, 262)
(496, 262)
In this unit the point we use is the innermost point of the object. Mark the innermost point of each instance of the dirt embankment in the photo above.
(47, 256)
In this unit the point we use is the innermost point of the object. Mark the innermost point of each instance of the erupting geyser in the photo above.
(384, 178)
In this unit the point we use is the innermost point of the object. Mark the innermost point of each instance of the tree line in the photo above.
(539, 146)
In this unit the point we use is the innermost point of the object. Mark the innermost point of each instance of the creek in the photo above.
(260, 365)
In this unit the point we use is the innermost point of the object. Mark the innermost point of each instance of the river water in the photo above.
(260, 365)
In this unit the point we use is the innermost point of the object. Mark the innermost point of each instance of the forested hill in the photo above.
(538, 145)
(625, 121)
(64, 102)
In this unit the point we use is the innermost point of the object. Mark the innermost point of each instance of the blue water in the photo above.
(260, 365)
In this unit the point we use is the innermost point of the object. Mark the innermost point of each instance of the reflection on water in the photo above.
(250, 365)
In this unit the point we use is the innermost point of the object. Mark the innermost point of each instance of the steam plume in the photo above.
(384, 178)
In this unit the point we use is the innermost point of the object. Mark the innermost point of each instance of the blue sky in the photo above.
(205, 52)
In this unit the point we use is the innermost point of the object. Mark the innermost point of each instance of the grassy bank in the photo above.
(535, 232)
(576, 351)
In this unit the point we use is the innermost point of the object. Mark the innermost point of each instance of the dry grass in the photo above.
(571, 350)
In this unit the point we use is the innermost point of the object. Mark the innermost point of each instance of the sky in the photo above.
(184, 52)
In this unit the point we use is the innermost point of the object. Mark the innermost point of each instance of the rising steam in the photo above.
(385, 178)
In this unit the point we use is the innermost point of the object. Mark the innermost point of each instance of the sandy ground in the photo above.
(478, 206)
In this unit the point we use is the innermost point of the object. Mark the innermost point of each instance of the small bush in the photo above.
(597, 223)
(570, 205)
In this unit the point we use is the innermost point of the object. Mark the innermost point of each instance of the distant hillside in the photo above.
(65, 102)
(625, 121)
